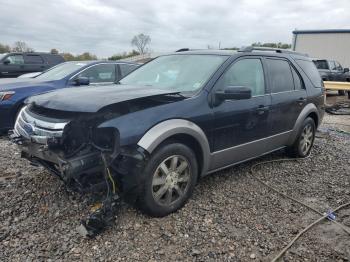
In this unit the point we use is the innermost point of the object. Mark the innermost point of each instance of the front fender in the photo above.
(160, 132)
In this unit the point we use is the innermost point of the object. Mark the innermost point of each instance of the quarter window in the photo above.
(15, 59)
(281, 76)
(126, 69)
(100, 73)
(246, 72)
(310, 70)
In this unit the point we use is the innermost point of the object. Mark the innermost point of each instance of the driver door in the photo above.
(239, 125)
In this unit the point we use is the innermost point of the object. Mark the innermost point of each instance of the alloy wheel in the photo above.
(306, 140)
(171, 180)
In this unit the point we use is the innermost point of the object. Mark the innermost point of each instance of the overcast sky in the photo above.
(107, 27)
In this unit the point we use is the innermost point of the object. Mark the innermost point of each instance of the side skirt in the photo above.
(241, 153)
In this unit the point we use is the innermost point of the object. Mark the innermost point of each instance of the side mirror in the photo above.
(82, 81)
(232, 93)
(346, 70)
(6, 62)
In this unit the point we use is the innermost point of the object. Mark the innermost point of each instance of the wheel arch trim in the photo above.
(163, 130)
(307, 110)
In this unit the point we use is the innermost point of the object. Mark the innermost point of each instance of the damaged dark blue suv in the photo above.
(173, 120)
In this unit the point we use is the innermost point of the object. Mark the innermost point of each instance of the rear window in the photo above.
(310, 70)
(321, 64)
(281, 76)
(54, 59)
(33, 59)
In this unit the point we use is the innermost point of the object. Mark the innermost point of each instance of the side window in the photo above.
(338, 66)
(15, 59)
(246, 72)
(298, 82)
(100, 73)
(332, 65)
(33, 59)
(126, 69)
(280, 75)
(310, 70)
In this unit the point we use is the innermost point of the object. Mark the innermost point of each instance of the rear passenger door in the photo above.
(288, 95)
(33, 63)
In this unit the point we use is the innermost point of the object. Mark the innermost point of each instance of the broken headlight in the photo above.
(105, 139)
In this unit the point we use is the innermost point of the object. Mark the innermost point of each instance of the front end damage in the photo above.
(86, 158)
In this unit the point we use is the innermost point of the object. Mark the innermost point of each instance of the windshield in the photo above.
(60, 71)
(2, 55)
(321, 64)
(183, 73)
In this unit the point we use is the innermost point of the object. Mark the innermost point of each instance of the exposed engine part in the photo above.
(97, 221)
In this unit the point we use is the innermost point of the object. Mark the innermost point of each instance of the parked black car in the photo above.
(16, 64)
(174, 120)
(331, 70)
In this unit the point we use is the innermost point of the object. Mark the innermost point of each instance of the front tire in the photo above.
(304, 142)
(170, 177)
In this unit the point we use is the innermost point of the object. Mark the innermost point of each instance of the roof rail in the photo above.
(277, 50)
(182, 50)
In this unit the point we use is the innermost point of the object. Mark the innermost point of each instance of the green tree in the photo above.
(4, 48)
(124, 55)
(273, 45)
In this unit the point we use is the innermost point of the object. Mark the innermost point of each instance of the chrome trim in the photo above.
(41, 123)
(41, 130)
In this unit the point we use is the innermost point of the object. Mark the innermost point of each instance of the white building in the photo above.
(333, 44)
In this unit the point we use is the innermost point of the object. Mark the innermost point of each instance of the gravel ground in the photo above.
(231, 216)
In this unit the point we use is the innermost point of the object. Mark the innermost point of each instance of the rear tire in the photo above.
(170, 177)
(304, 142)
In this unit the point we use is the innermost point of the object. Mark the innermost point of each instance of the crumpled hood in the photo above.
(92, 99)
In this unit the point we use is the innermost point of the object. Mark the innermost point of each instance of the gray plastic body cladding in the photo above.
(229, 156)
(253, 149)
(168, 128)
(308, 109)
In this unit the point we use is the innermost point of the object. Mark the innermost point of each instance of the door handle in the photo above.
(301, 100)
(262, 109)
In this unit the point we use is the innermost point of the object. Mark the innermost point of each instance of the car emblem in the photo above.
(29, 129)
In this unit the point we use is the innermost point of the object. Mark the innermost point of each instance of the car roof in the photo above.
(207, 52)
(249, 50)
(31, 53)
(93, 62)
